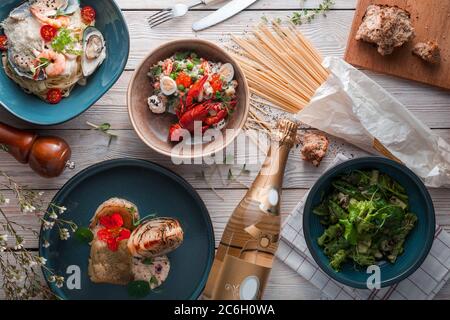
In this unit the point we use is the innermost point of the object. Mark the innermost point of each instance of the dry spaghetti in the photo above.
(281, 66)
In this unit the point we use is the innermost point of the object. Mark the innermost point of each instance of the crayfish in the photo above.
(208, 113)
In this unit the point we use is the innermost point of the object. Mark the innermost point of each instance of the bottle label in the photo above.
(240, 280)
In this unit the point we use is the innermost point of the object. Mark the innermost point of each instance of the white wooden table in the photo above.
(328, 34)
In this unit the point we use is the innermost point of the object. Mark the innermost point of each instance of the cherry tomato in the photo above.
(88, 14)
(3, 43)
(184, 80)
(216, 82)
(48, 32)
(54, 96)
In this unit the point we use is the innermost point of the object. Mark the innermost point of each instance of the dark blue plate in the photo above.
(111, 23)
(153, 189)
(417, 245)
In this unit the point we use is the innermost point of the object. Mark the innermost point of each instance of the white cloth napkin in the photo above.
(425, 283)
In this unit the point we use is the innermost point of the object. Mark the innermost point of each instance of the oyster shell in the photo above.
(94, 51)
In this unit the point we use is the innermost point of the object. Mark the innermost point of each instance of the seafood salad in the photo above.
(195, 89)
(49, 46)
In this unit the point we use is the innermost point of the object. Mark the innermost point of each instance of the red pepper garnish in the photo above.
(216, 82)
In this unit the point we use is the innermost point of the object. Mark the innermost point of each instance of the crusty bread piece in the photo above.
(125, 208)
(388, 27)
(428, 51)
(106, 266)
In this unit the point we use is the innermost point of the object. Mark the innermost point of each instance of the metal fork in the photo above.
(178, 10)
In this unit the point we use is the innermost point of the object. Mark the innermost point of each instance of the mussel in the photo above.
(94, 51)
(21, 12)
(22, 64)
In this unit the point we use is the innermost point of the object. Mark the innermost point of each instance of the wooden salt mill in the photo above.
(47, 156)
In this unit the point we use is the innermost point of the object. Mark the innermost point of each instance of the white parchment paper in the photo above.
(351, 106)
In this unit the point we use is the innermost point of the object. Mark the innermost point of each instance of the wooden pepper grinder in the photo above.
(47, 156)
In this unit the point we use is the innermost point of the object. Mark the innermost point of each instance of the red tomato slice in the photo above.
(216, 83)
(88, 14)
(54, 96)
(184, 80)
(3, 43)
(48, 32)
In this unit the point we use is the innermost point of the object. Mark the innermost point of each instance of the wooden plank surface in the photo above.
(259, 5)
(431, 22)
(329, 35)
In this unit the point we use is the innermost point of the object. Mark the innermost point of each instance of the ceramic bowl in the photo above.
(417, 245)
(153, 129)
(111, 23)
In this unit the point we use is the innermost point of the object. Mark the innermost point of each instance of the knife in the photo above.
(227, 11)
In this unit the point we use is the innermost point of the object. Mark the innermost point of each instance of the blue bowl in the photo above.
(111, 23)
(417, 245)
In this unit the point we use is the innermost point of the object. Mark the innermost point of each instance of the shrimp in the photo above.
(56, 65)
(58, 22)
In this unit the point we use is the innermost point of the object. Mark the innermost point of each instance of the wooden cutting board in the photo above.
(431, 21)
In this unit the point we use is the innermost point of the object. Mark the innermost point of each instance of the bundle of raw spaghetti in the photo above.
(281, 66)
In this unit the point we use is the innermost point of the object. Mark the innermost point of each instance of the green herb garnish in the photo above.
(84, 235)
(154, 281)
(147, 261)
(63, 41)
(138, 289)
(103, 128)
(179, 56)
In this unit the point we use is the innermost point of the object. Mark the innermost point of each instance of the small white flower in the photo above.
(28, 208)
(19, 244)
(46, 244)
(51, 279)
(41, 193)
(62, 210)
(47, 225)
(59, 282)
(31, 263)
(2, 249)
(64, 234)
(41, 260)
(6, 201)
(53, 215)
(3, 238)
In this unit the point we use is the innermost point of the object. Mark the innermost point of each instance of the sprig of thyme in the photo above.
(305, 15)
(105, 129)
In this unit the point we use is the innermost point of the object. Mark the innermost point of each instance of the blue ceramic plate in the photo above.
(417, 245)
(111, 23)
(153, 189)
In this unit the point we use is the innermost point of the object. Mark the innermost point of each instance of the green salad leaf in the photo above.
(367, 219)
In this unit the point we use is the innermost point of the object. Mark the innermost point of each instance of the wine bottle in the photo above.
(246, 251)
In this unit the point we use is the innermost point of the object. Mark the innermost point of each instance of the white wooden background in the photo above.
(328, 34)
